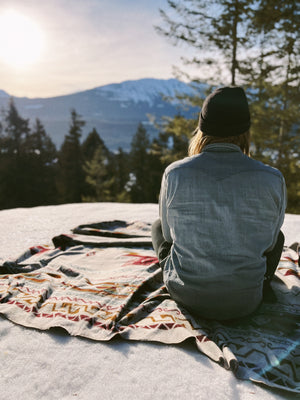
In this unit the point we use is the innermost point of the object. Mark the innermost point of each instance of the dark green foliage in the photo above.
(12, 171)
(174, 138)
(139, 166)
(99, 179)
(216, 29)
(133, 177)
(70, 179)
(16, 130)
(145, 169)
(95, 156)
(90, 145)
(257, 43)
(14, 166)
(41, 166)
(275, 78)
(27, 162)
(32, 172)
(119, 167)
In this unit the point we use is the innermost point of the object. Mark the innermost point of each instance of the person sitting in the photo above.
(218, 236)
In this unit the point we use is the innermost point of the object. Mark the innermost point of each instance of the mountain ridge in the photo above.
(114, 109)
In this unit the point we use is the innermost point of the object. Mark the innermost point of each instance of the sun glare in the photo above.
(21, 40)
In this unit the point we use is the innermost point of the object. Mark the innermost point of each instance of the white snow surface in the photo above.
(52, 365)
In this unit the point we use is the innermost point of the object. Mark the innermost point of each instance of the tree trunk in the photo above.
(234, 44)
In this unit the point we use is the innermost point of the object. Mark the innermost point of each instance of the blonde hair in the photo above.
(199, 141)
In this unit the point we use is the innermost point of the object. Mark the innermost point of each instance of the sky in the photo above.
(57, 47)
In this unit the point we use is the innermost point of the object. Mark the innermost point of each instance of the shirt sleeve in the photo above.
(283, 204)
(163, 210)
(282, 209)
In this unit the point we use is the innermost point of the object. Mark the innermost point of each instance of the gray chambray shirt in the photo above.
(222, 210)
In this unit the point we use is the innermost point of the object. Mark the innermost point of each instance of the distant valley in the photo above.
(114, 110)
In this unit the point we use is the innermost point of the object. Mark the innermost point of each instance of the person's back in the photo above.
(224, 210)
(218, 238)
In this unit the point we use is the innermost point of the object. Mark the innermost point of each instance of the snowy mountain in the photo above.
(145, 90)
(114, 110)
(3, 94)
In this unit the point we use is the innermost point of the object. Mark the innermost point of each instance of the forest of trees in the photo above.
(33, 172)
(253, 43)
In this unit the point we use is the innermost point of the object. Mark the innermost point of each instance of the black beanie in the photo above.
(225, 112)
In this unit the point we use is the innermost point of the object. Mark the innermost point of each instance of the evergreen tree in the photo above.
(14, 175)
(157, 166)
(70, 179)
(92, 144)
(41, 162)
(119, 167)
(259, 42)
(16, 129)
(274, 78)
(174, 138)
(171, 145)
(217, 30)
(140, 169)
(98, 168)
(97, 177)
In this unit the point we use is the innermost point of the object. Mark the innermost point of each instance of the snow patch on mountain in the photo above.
(145, 90)
(3, 94)
(34, 106)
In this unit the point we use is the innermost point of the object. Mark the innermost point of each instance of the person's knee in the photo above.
(281, 238)
(157, 236)
(156, 226)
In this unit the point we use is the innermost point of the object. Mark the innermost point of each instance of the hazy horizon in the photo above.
(63, 47)
(90, 88)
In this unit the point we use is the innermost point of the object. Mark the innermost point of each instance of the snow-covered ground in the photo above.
(44, 365)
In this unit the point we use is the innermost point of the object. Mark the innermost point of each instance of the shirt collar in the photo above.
(222, 147)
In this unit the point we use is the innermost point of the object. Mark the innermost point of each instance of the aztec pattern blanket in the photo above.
(104, 280)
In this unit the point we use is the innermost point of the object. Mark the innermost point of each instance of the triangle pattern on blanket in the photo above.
(103, 280)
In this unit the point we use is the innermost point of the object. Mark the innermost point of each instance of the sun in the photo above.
(21, 40)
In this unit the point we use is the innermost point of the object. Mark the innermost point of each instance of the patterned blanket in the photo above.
(104, 280)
